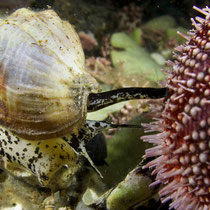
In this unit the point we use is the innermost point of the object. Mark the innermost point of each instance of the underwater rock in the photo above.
(132, 191)
(133, 59)
(161, 23)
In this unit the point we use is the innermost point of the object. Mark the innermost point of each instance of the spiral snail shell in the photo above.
(43, 84)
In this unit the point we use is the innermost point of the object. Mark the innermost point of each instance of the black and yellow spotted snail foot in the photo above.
(45, 94)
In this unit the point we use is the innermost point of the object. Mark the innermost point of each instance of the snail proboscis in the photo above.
(45, 93)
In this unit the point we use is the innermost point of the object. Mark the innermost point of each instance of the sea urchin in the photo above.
(183, 145)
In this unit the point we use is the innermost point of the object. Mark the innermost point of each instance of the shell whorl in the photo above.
(43, 83)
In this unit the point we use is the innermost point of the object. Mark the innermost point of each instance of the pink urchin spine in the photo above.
(183, 145)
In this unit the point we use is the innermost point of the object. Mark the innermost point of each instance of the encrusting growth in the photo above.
(183, 144)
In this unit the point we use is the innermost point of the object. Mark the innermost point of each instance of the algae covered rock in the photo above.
(102, 114)
(136, 35)
(133, 190)
(161, 23)
(135, 60)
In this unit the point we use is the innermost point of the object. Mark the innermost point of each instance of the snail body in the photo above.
(45, 94)
(40, 158)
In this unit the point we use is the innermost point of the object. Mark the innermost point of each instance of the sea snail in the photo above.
(45, 93)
